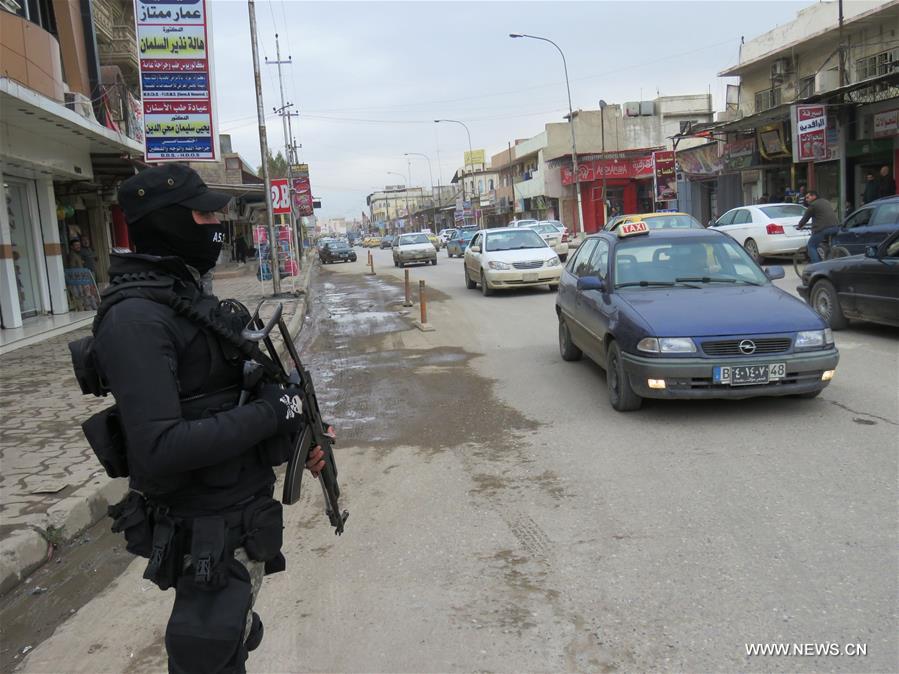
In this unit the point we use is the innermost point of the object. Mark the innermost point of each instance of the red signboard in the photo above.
(589, 171)
(302, 190)
(665, 175)
(809, 132)
(280, 196)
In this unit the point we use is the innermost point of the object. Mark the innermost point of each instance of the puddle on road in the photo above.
(377, 393)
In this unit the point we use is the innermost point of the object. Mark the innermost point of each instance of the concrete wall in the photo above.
(31, 56)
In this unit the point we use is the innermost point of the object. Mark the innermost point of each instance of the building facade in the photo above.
(64, 149)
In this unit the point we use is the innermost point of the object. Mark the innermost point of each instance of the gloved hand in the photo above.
(286, 404)
(316, 460)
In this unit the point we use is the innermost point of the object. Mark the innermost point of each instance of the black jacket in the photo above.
(193, 451)
(872, 191)
(821, 213)
(886, 186)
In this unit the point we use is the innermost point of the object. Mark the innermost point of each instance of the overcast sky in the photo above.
(369, 78)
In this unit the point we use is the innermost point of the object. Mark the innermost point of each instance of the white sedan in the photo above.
(510, 258)
(416, 247)
(766, 229)
(551, 233)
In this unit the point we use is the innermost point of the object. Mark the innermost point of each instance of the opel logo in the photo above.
(747, 347)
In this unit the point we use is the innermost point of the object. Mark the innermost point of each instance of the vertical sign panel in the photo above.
(302, 190)
(280, 196)
(809, 132)
(665, 175)
(176, 80)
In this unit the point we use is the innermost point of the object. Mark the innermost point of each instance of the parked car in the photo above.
(445, 235)
(461, 238)
(766, 229)
(655, 221)
(415, 247)
(553, 236)
(863, 287)
(523, 223)
(688, 314)
(503, 258)
(870, 225)
(387, 242)
(337, 251)
(324, 241)
(562, 227)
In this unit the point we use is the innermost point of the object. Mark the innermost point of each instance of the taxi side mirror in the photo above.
(871, 251)
(775, 272)
(590, 283)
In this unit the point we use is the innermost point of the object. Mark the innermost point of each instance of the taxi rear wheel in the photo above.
(621, 395)
(567, 349)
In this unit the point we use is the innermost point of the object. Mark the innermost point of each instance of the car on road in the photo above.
(523, 223)
(435, 241)
(445, 235)
(456, 246)
(688, 314)
(386, 242)
(655, 221)
(766, 229)
(863, 287)
(504, 258)
(416, 247)
(870, 225)
(553, 236)
(336, 251)
(372, 241)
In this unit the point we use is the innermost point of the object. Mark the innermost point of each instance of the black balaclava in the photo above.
(171, 231)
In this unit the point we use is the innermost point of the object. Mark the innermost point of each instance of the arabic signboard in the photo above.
(280, 196)
(809, 132)
(740, 154)
(302, 190)
(176, 80)
(665, 176)
(700, 161)
(638, 167)
(475, 158)
(886, 124)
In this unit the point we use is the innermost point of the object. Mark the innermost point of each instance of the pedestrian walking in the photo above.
(824, 222)
(872, 189)
(240, 249)
(886, 184)
(200, 466)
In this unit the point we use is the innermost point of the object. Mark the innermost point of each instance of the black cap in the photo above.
(167, 185)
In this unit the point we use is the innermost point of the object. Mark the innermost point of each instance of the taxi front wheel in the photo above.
(621, 395)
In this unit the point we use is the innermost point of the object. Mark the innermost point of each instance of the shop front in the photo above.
(628, 187)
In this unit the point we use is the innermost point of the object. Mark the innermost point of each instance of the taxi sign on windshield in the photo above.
(632, 229)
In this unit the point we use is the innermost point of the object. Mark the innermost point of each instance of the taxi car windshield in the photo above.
(514, 240)
(407, 239)
(659, 263)
(673, 222)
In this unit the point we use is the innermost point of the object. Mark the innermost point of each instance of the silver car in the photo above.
(415, 247)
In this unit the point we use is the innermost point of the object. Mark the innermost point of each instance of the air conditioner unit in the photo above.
(81, 104)
(780, 67)
(632, 109)
(647, 108)
(827, 80)
(789, 91)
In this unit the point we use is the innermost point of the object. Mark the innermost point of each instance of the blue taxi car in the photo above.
(459, 242)
(687, 314)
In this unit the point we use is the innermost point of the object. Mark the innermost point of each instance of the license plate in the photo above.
(529, 278)
(747, 375)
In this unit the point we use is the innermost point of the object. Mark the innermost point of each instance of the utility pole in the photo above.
(288, 141)
(263, 147)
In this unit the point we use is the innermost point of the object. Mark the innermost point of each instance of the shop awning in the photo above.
(44, 137)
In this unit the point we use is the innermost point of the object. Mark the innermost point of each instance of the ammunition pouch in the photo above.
(131, 517)
(86, 372)
(103, 431)
(263, 524)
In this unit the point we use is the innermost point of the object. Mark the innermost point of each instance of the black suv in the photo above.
(336, 251)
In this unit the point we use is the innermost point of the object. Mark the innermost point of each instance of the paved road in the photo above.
(504, 518)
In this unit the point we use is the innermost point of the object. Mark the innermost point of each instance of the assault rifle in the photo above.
(314, 433)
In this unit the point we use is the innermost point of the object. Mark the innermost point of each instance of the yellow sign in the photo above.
(475, 157)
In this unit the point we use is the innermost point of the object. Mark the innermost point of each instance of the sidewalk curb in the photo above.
(25, 550)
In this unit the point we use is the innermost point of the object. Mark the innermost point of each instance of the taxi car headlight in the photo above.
(493, 264)
(666, 345)
(813, 339)
(552, 262)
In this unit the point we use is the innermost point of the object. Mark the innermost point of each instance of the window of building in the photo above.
(480, 186)
(232, 163)
(878, 64)
(490, 185)
(36, 11)
(806, 87)
(767, 99)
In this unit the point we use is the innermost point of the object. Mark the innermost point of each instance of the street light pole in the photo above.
(477, 218)
(430, 176)
(263, 146)
(574, 167)
(602, 124)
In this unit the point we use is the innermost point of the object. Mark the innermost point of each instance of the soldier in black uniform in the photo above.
(201, 473)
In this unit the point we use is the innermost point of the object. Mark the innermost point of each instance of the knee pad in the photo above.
(254, 638)
(205, 633)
